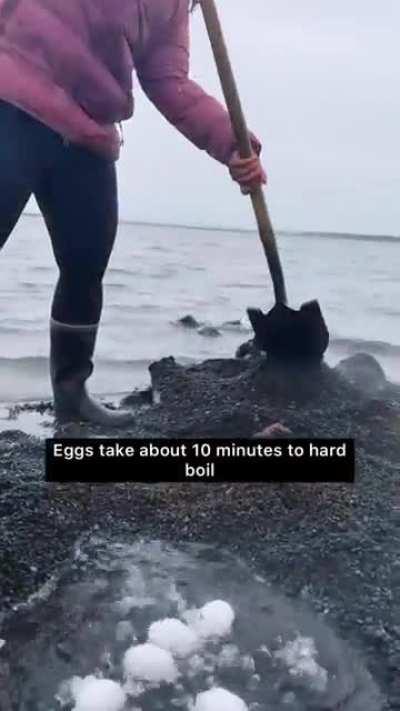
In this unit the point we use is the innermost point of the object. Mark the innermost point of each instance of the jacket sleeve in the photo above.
(164, 76)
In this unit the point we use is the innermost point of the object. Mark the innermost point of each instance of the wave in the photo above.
(32, 364)
(121, 270)
(352, 345)
(35, 363)
(32, 328)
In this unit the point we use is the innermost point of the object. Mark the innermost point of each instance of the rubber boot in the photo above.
(71, 364)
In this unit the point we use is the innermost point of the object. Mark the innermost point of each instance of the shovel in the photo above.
(284, 334)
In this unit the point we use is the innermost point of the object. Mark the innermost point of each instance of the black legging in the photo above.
(77, 195)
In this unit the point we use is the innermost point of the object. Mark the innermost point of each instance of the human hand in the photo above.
(247, 172)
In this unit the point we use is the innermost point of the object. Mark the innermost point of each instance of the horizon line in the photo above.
(245, 230)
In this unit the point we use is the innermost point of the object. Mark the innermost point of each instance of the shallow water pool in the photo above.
(271, 654)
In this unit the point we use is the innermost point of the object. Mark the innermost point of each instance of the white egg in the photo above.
(218, 699)
(147, 662)
(215, 619)
(92, 694)
(174, 636)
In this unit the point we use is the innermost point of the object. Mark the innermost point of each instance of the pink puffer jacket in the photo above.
(69, 63)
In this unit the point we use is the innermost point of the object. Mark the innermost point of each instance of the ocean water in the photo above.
(159, 274)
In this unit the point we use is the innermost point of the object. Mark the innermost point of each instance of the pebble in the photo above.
(209, 332)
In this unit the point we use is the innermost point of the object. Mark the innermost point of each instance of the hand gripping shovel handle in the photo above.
(239, 124)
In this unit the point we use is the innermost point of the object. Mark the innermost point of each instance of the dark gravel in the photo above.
(335, 545)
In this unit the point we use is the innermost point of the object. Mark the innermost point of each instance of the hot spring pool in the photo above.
(150, 627)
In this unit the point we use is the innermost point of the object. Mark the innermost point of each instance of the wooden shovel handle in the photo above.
(239, 124)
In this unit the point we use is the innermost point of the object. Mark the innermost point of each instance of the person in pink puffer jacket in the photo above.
(66, 74)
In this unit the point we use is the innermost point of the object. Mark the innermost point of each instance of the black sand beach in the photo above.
(335, 546)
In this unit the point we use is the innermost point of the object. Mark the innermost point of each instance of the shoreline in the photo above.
(339, 349)
(251, 230)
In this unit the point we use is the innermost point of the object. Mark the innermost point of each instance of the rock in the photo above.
(235, 327)
(275, 430)
(363, 372)
(138, 398)
(163, 373)
(188, 322)
(248, 350)
(41, 407)
(209, 332)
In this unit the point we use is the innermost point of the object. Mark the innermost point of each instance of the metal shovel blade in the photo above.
(288, 335)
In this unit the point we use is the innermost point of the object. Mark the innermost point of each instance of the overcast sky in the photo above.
(320, 85)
